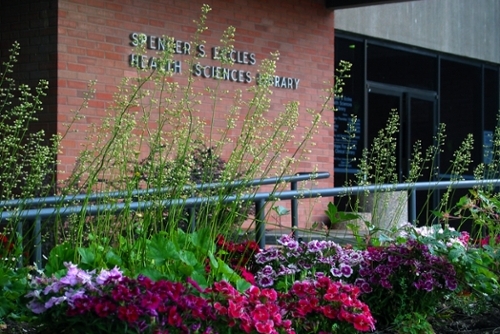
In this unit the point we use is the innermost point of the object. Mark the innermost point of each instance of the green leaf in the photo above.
(188, 258)
(437, 214)
(214, 264)
(87, 256)
(337, 216)
(57, 256)
(202, 240)
(185, 269)
(281, 210)
(200, 279)
(384, 238)
(455, 254)
(331, 212)
(242, 285)
(226, 272)
(161, 250)
(113, 259)
(344, 216)
(153, 273)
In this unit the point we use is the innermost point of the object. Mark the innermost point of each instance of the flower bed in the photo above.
(297, 287)
(108, 302)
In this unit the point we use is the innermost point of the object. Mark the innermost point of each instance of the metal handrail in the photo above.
(33, 209)
(63, 199)
(258, 198)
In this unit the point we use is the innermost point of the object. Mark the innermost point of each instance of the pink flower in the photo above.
(260, 313)
(270, 294)
(362, 323)
(234, 310)
(265, 327)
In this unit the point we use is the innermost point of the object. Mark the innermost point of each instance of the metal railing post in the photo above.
(20, 234)
(37, 230)
(413, 206)
(260, 226)
(294, 211)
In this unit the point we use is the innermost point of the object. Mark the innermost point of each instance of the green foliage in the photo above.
(58, 255)
(335, 216)
(413, 323)
(27, 158)
(187, 256)
(13, 286)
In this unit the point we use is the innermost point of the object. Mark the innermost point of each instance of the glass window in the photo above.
(461, 109)
(402, 68)
(350, 110)
(491, 112)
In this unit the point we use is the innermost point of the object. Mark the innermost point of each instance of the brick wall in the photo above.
(93, 43)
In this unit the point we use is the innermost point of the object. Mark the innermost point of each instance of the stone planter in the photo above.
(388, 209)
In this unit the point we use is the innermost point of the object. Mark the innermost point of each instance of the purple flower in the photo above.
(385, 284)
(383, 271)
(346, 270)
(363, 285)
(75, 276)
(355, 257)
(451, 283)
(114, 275)
(365, 271)
(336, 272)
(287, 270)
(54, 287)
(267, 255)
(427, 286)
(305, 264)
(36, 307)
(54, 301)
(265, 281)
(72, 295)
(314, 246)
(267, 271)
(285, 239)
(319, 274)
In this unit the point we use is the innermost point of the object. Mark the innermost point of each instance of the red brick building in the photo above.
(71, 42)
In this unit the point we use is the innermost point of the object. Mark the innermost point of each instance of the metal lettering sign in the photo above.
(179, 47)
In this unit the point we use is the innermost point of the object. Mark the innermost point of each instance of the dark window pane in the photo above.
(350, 103)
(491, 107)
(460, 109)
(396, 67)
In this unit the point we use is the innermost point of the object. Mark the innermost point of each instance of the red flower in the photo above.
(248, 276)
(362, 323)
(7, 245)
(329, 311)
(174, 318)
(128, 313)
(104, 308)
(220, 309)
